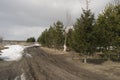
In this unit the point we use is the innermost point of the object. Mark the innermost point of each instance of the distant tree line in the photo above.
(31, 39)
(1, 39)
(88, 35)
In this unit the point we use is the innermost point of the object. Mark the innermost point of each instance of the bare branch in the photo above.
(87, 4)
(116, 2)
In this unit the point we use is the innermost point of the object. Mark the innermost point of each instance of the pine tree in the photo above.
(107, 31)
(70, 38)
(59, 37)
(42, 39)
(53, 37)
(109, 27)
(83, 29)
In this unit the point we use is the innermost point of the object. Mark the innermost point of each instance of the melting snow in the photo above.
(28, 55)
(12, 53)
(21, 77)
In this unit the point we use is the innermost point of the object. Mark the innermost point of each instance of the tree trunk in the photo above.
(85, 59)
(65, 47)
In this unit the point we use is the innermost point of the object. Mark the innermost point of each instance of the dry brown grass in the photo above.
(53, 51)
(108, 68)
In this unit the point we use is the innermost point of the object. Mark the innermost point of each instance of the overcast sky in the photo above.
(20, 19)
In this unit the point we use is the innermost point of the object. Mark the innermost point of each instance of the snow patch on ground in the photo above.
(28, 55)
(15, 52)
(21, 77)
(12, 53)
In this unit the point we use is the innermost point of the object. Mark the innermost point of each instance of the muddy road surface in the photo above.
(36, 64)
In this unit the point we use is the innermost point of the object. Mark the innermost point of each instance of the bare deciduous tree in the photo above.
(87, 4)
(68, 22)
(116, 2)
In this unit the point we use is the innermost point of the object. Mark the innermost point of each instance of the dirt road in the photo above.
(39, 65)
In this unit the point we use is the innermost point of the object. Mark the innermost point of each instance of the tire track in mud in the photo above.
(45, 66)
(49, 70)
(53, 67)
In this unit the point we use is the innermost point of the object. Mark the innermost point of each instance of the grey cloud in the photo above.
(32, 14)
(37, 14)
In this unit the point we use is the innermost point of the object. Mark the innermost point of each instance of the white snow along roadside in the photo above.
(12, 53)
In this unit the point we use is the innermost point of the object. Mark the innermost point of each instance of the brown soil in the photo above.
(45, 66)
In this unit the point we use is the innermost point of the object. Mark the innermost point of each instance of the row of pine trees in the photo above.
(53, 37)
(88, 35)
